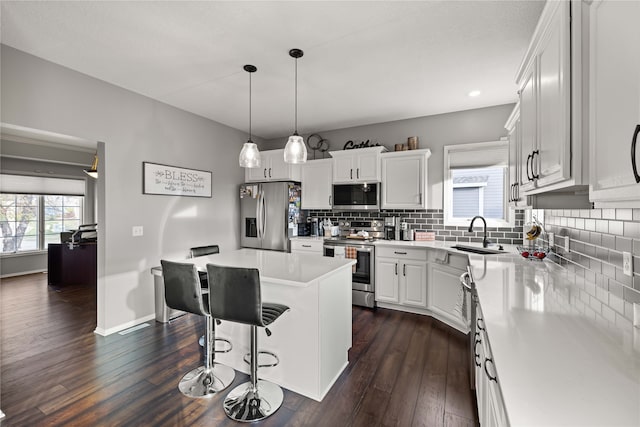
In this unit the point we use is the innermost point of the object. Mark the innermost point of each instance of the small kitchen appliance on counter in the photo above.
(390, 228)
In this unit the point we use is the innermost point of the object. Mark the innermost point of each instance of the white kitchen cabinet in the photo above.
(444, 291)
(614, 102)
(309, 246)
(273, 168)
(357, 165)
(404, 179)
(401, 276)
(514, 128)
(316, 176)
(553, 153)
(491, 409)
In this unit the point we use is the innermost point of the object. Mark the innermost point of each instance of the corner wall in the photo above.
(41, 95)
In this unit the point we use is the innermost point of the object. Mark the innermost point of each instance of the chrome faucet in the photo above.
(485, 242)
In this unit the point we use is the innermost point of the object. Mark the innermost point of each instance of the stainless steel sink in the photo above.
(477, 250)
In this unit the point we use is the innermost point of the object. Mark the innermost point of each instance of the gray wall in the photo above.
(38, 94)
(433, 132)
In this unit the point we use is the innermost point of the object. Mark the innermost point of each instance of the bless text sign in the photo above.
(175, 181)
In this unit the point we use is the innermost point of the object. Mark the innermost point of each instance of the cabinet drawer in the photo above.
(453, 260)
(402, 253)
(306, 246)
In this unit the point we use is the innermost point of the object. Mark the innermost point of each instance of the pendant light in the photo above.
(249, 155)
(295, 151)
(93, 172)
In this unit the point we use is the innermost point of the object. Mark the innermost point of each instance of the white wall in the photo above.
(38, 94)
(433, 132)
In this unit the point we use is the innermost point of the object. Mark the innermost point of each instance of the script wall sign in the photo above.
(350, 145)
(175, 181)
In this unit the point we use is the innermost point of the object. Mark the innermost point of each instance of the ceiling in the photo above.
(364, 61)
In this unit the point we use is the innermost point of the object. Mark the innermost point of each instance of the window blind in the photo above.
(492, 154)
(22, 184)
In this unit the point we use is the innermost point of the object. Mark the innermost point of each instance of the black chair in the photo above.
(182, 291)
(234, 295)
(202, 251)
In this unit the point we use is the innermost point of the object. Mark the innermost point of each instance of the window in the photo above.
(475, 184)
(29, 222)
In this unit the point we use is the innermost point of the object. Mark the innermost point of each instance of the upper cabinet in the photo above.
(316, 184)
(614, 103)
(514, 128)
(357, 165)
(552, 154)
(272, 168)
(404, 179)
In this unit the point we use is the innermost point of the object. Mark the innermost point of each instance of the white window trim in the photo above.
(509, 212)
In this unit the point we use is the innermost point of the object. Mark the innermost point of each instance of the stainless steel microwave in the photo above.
(356, 197)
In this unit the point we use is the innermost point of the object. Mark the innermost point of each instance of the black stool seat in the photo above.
(183, 292)
(203, 251)
(235, 295)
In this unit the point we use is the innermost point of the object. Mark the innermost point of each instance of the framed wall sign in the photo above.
(175, 181)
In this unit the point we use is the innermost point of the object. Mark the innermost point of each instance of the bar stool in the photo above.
(183, 292)
(198, 251)
(234, 295)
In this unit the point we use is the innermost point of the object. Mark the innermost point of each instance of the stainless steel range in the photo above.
(356, 241)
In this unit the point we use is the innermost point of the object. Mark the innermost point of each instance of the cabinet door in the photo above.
(387, 280)
(402, 182)
(528, 118)
(257, 174)
(316, 184)
(343, 169)
(445, 294)
(367, 167)
(277, 170)
(614, 100)
(552, 162)
(514, 144)
(414, 283)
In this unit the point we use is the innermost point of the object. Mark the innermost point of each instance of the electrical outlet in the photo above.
(552, 239)
(566, 244)
(137, 231)
(627, 264)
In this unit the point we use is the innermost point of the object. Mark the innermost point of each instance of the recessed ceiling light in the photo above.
(474, 93)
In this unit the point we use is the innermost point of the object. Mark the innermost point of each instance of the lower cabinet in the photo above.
(491, 410)
(445, 295)
(401, 276)
(308, 246)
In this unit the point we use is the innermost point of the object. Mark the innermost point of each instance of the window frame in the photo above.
(41, 221)
(508, 219)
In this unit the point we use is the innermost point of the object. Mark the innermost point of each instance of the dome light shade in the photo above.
(249, 156)
(295, 151)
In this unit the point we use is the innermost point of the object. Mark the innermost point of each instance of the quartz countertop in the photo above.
(561, 355)
(297, 269)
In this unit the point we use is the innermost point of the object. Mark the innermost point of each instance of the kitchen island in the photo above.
(312, 339)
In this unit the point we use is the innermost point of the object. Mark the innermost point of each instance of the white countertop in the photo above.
(298, 269)
(558, 363)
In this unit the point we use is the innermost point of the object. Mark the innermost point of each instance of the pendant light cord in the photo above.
(250, 107)
(295, 132)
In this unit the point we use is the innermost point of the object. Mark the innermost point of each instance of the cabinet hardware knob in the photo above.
(486, 361)
(529, 157)
(396, 268)
(533, 156)
(350, 173)
(399, 253)
(306, 246)
(404, 269)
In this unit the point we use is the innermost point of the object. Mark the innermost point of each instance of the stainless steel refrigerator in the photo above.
(269, 214)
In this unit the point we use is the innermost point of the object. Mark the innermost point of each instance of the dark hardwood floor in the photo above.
(404, 369)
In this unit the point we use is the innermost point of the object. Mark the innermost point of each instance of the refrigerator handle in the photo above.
(258, 219)
(264, 215)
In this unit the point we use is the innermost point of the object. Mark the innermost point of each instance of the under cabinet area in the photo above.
(316, 183)
(273, 168)
(615, 102)
(404, 179)
(357, 165)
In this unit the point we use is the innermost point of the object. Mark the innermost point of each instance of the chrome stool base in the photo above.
(202, 383)
(247, 404)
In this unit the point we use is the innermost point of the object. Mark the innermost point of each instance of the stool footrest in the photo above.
(225, 350)
(247, 359)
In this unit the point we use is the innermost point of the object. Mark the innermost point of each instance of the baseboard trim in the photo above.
(22, 273)
(106, 332)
